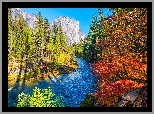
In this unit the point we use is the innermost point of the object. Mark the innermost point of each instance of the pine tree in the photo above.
(10, 33)
(53, 45)
(63, 41)
(46, 37)
(101, 34)
(29, 46)
(89, 48)
(39, 37)
(18, 42)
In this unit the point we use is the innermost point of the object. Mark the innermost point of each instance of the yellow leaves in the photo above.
(46, 59)
(56, 73)
(32, 79)
(49, 73)
(36, 92)
(11, 80)
(73, 66)
(10, 64)
(40, 67)
(46, 77)
(62, 58)
(48, 93)
(111, 101)
(39, 98)
(21, 102)
(68, 57)
(136, 74)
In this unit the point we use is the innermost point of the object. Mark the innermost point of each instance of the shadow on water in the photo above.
(73, 87)
(16, 89)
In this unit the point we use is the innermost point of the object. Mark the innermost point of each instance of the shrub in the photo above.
(39, 98)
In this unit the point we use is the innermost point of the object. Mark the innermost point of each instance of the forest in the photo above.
(115, 50)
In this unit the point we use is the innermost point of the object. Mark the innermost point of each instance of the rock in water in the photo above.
(128, 99)
(136, 98)
(141, 100)
(10, 89)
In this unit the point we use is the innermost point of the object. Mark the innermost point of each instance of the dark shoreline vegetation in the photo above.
(107, 69)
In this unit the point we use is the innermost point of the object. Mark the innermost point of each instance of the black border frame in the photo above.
(6, 5)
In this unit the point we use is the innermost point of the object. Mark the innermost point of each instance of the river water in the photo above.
(73, 87)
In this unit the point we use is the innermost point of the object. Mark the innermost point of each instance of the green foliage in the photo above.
(16, 35)
(39, 37)
(10, 33)
(78, 48)
(39, 98)
(58, 46)
(89, 101)
(28, 46)
(91, 51)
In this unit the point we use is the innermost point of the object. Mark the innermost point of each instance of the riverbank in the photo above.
(34, 76)
(72, 86)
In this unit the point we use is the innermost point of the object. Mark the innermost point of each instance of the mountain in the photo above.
(29, 18)
(69, 26)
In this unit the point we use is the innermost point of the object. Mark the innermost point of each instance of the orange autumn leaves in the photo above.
(136, 70)
(117, 88)
(105, 69)
(108, 93)
(123, 65)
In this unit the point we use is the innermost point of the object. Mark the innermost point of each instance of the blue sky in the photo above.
(83, 15)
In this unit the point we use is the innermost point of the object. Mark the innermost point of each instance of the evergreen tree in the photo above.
(39, 37)
(63, 40)
(46, 36)
(19, 27)
(89, 49)
(10, 33)
(29, 46)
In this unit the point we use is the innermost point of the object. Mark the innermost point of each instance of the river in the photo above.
(73, 87)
